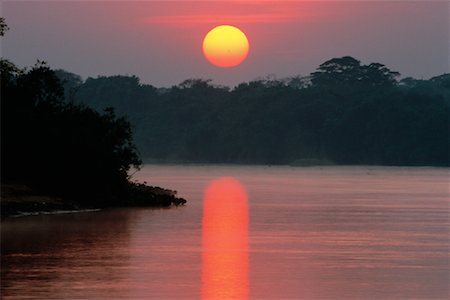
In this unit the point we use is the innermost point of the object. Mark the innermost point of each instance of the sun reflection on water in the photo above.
(225, 240)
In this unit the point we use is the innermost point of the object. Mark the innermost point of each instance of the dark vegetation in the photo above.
(343, 113)
(64, 149)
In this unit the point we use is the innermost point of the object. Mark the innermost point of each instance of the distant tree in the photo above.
(377, 74)
(199, 87)
(442, 80)
(337, 70)
(118, 92)
(298, 82)
(195, 83)
(409, 82)
(3, 26)
(348, 70)
(71, 83)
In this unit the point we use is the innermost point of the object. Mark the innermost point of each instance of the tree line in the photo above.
(344, 112)
(67, 149)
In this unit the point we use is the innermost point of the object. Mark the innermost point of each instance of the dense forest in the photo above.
(345, 112)
(64, 149)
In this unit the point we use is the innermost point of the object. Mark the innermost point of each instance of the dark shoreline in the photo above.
(18, 200)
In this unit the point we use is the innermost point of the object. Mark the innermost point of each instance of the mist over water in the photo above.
(313, 233)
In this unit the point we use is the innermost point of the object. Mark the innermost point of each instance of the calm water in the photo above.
(275, 233)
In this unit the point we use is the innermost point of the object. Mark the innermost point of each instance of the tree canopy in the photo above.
(344, 112)
(3, 26)
(55, 146)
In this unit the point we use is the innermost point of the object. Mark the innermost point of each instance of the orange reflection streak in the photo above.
(225, 240)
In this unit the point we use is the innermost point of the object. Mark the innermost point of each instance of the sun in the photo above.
(225, 46)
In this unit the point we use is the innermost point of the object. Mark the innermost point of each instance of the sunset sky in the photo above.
(161, 42)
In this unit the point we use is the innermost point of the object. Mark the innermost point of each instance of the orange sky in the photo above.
(160, 41)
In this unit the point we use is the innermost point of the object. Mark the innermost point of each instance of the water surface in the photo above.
(312, 233)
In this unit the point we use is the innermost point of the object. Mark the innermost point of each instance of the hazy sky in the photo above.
(160, 41)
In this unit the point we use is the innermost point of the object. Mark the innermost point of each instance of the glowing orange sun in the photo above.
(225, 46)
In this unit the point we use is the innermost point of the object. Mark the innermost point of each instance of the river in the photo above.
(247, 232)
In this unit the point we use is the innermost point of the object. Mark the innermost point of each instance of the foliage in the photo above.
(66, 149)
(3, 26)
(345, 112)
(349, 71)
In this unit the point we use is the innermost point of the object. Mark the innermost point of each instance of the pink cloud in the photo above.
(224, 18)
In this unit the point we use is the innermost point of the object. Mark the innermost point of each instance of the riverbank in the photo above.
(20, 200)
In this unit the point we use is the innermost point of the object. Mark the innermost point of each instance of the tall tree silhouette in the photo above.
(58, 147)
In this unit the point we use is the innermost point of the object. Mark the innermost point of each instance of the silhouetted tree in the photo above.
(71, 83)
(62, 148)
(348, 70)
(3, 26)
